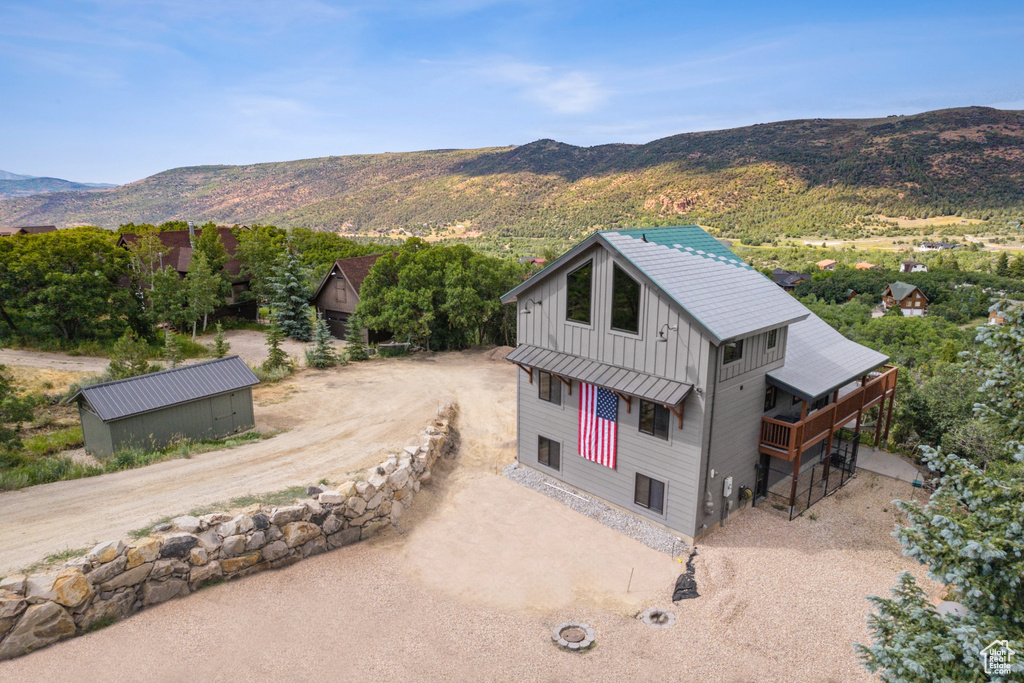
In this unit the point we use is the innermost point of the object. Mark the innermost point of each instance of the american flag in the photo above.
(599, 425)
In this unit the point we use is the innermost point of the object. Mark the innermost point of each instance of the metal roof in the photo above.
(135, 395)
(820, 360)
(724, 294)
(648, 387)
(901, 290)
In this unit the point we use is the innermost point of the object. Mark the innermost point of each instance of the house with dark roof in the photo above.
(789, 279)
(664, 375)
(938, 246)
(338, 294)
(209, 400)
(909, 298)
(913, 267)
(177, 254)
(11, 231)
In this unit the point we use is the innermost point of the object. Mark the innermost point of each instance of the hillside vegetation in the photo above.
(825, 177)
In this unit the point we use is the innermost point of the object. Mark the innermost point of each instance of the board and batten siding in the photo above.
(674, 462)
(682, 357)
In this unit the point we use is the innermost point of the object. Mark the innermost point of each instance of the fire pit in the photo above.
(573, 636)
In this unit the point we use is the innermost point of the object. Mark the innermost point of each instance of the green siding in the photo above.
(95, 434)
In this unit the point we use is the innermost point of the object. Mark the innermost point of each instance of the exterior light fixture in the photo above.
(526, 306)
(663, 333)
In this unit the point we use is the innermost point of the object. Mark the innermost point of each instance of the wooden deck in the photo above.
(786, 440)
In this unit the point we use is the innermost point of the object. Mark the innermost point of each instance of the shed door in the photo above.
(224, 421)
(337, 322)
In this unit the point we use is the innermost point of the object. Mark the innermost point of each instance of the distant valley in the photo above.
(834, 178)
(13, 185)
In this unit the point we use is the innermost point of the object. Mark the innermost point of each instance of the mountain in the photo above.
(15, 185)
(829, 177)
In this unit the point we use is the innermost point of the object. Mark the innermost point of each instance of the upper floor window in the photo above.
(733, 352)
(577, 293)
(550, 388)
(625, 302)
(773, 338)
(341, 290)
(654, 419)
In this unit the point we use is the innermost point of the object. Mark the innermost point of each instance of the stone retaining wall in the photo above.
(118, 578)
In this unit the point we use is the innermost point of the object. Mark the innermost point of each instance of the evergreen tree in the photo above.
(172, 352)
(355, 347)
(322, 353)
(276, 357)
(1017, 269)
(220, 347)
(128, 357)
(289, 297)
(1003, 264)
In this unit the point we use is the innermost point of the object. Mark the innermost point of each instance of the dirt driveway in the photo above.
(53, 361)
(337, 421)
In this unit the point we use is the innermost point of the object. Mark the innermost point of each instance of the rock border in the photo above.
(118, 578)
(647, 616)
(585, 644)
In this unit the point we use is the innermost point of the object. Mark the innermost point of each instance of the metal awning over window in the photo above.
(620, 380)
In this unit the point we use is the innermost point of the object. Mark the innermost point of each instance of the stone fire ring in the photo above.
(574, 636)
(658, 618)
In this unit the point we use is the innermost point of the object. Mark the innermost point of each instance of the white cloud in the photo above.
(564, 92)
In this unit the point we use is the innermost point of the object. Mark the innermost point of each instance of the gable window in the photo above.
(649, 493)
(771, 397)
(341, 290)
(733, 352)
(625, 302)
(577, 293)
(773, 337)
(550, 388)
(654, 419)
(549, 452)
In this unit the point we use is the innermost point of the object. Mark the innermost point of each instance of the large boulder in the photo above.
(178, 545)
(39, 588)
(365, 490)
(234, 564)
(286, 515)
(71, 588)
(38, 627)
(275, 550)
(145, 549)
(132, 577)
(209, 540)
(347, 489)
(14, 583)
(213, 519)
(344, 537)
(297, 533)
(242, 524)
(233, 546)
(314, 547)
(204, 574)
(260, 521)
(355, 507)
(188, 524)
(162, 568)
(105, 572)
(105, 552)
(198, 556)
(256, 541)
(11, 606)
(155, 592)
(331, 498)
(117, 606)
(331, 525)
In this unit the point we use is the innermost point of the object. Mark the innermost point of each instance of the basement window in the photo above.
(649, 493)
(550, 388)
(654, 419)
(733, 352)
(549, 452)
(625, 302)
(577, 294)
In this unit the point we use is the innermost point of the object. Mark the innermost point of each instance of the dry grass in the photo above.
(44, 381)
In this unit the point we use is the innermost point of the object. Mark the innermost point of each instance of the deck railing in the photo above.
(784, 439)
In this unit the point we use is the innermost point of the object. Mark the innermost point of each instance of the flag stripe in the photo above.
(598, 424)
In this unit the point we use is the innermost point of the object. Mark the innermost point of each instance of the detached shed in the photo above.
(208, 400)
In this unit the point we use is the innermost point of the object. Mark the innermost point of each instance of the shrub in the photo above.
(220, 347)
(322, 354)
(270, 376)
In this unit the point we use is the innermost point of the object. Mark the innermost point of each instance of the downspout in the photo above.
(709, 504)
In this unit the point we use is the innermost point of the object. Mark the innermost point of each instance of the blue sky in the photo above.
(116, 90)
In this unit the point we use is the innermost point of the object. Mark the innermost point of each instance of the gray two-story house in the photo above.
(664, 375)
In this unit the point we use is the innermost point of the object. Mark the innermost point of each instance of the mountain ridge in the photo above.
(14, 185)
(813, 176)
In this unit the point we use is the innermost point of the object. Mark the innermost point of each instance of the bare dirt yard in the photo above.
(470, 584)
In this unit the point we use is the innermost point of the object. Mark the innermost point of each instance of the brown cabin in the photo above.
(178, 255)
(338, 294)
(909, 298)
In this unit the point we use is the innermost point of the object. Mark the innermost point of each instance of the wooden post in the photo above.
(878, 422)
(892, 399)
(796, 474)
(803, 410)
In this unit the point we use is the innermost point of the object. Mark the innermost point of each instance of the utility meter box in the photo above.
(727, 487)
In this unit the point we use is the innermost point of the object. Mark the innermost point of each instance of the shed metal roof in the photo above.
(820, 360)
(126, 397)
(623, 380)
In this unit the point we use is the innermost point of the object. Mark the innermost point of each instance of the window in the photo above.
(654, 419)
(577, 295)
(649, 493)
(550, 388)
(733, 352)
(341, 290)
(771, 397)
(773, 337)
(625, 302)
(549, 452)
(821, 403)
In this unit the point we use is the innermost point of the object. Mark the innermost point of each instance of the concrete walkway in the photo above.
(887, 464)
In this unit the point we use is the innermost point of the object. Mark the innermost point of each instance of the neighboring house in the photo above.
(26, 230)
(850, 294)
(937, 246)
(913, 267)
(533, 259)
(827, 264)
(663, 374)
(909, 298)
(338, 294)
(864, 265)
(178, 254)
(209, 400)
(996, 314)
(789, 279)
